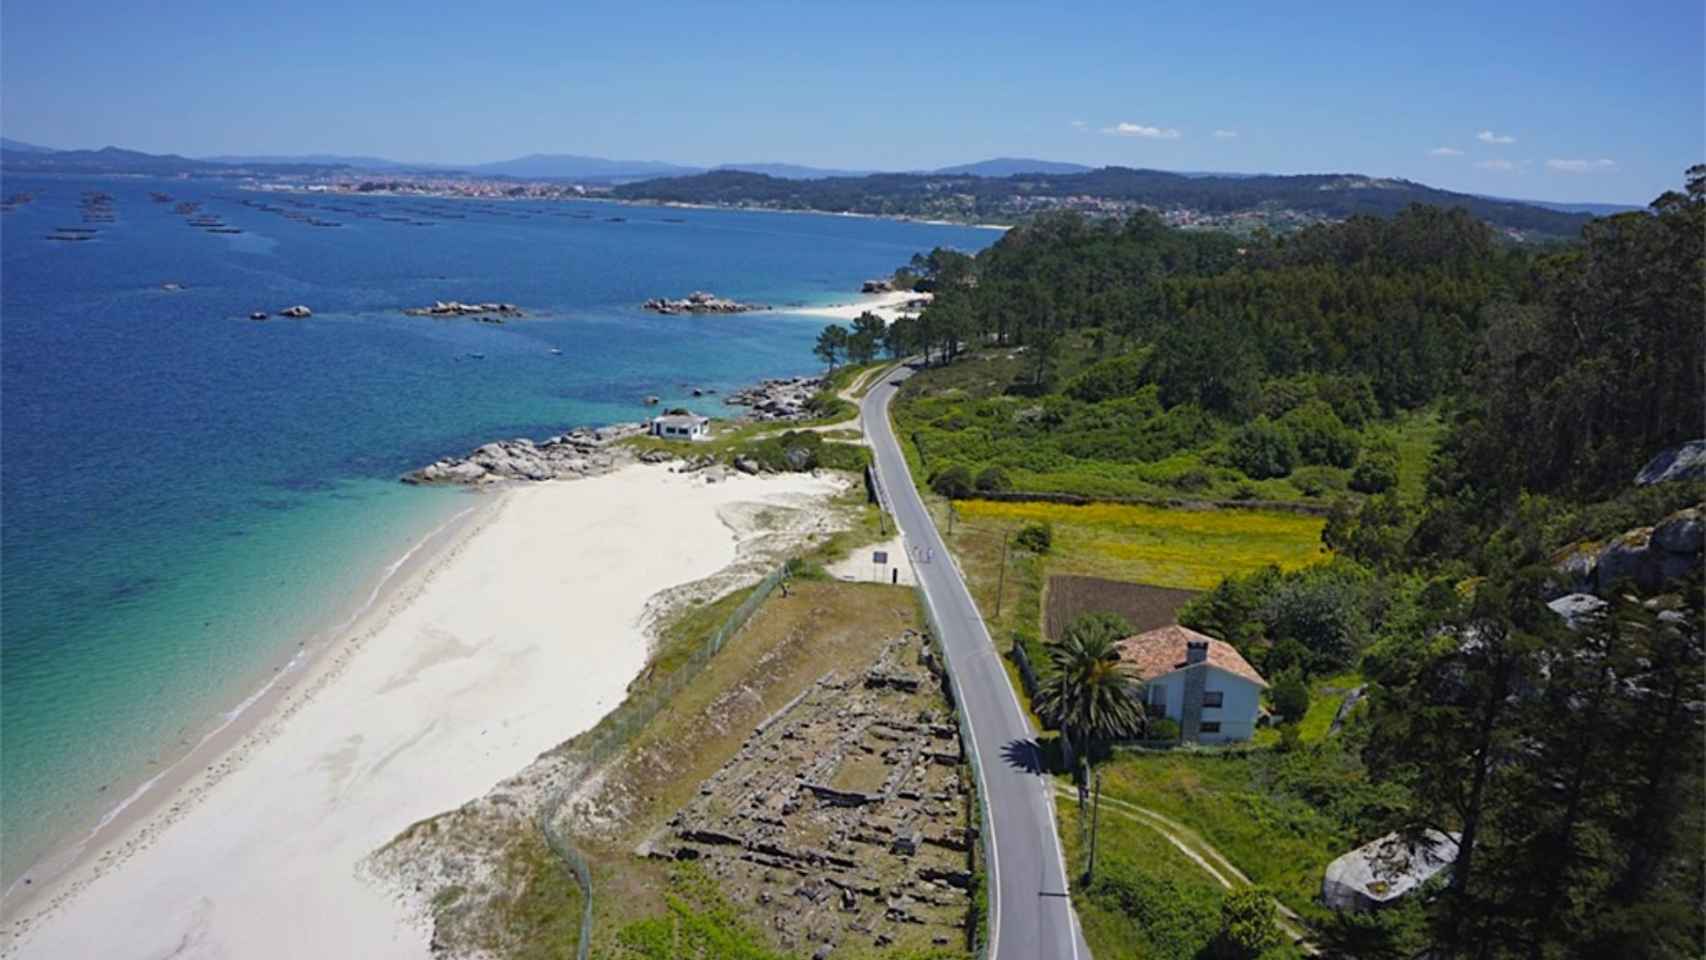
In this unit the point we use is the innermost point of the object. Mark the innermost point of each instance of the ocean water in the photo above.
(187, 496)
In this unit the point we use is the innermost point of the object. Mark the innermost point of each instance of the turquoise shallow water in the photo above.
(185, 495)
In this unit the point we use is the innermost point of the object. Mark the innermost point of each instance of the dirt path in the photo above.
(1200, 852)
(851, 394)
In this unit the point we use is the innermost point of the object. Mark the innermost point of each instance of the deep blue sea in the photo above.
(186, 495)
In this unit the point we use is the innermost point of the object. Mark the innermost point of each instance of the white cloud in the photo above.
(1225, 134)
(1503, 166)
(1601, 165)
(1488, 136)
(1080, 124)
(1445, 152)
(1139, 130)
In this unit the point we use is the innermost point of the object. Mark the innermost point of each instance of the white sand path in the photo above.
(523, 635)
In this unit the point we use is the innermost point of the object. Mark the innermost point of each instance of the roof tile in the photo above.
(1161, 651)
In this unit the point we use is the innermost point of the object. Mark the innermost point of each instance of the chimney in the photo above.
(1196, 651)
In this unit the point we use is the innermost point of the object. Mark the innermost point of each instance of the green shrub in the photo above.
(1108, 379)
(953, 481)
(1376, 472)
(1249, 925)
(801, 451)
(1290, 695)
(1036, 537)
(1177, 921)
(993, 480)
(1283, 656)
(1245, 491)
(1290, 738)
(1263, 449)
(1193, 480)
(1321, 437)
(1163, 728)
(1317, 481)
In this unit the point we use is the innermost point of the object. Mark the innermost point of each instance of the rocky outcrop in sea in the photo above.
(589, 452)
(483, 312)
(582, 452)
(700, 302)
(777, 399)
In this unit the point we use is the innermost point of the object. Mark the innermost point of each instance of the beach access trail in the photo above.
(516, 637)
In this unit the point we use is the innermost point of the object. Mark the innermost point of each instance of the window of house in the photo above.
(1210, 726)
(1212, 698)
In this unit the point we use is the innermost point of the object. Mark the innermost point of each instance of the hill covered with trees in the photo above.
(1224, 201)
(1475, 414)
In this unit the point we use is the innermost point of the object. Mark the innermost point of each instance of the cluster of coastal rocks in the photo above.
(484, 312)
(298, 312)
(581, 452)
(700, 301)
(777, 399)
(586, 452)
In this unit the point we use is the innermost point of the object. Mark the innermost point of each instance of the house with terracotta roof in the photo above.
(1202, 684)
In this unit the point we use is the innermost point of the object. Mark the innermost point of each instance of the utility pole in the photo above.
(1095, 817)
(1001, 584)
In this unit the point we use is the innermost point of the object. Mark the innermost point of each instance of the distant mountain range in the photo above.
(993, 184)
(110, 160)
(18, 146)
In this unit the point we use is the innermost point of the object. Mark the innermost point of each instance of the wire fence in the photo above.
(618, 728)
(978, 931)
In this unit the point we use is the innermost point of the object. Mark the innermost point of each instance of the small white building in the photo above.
(681, 426)
(1202, 684)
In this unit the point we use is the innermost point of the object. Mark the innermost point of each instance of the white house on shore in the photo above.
(1202, 684)
(681, 426)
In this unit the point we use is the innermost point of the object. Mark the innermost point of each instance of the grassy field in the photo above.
(1187, 549)
(1229, 799)
(1186, 913)
(1325, 696)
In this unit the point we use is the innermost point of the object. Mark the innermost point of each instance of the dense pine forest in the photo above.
(1471, 415)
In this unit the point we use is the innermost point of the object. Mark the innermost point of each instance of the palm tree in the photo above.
(1091, 695)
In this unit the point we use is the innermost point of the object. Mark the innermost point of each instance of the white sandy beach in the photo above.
(518, 636)
(889, 306)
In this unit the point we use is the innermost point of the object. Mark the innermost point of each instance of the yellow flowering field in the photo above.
(1165, 547)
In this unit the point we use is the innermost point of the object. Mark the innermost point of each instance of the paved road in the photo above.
(1031, 916)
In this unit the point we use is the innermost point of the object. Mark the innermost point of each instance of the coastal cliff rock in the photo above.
(578, 453)
(484, 312)
(700, 302)
(1686, 462)
(1646, 555)
(779, 399)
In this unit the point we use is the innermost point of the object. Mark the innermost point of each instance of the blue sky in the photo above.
(1558, 101)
